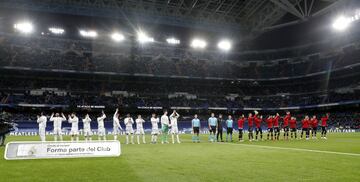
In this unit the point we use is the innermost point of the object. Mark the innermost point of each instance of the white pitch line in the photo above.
(294, 149)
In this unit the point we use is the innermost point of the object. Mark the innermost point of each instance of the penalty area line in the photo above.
(293, 149)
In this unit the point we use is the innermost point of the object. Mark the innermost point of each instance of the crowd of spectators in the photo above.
(55, 53)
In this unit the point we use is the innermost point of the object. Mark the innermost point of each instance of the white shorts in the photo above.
(140, 131)
(155, 131)
(87, 133)
(101, 131)
(174, 130)
(74, 132)
(129, 130)
(41, 131)
(116, 130)
(57, 131)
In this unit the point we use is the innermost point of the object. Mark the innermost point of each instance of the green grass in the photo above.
(200, 162)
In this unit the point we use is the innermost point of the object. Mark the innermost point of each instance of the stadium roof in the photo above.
(250, 17)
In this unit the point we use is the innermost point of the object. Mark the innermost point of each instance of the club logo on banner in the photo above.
(41, 150)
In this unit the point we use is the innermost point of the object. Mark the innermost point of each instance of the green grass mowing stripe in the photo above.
(294, 149)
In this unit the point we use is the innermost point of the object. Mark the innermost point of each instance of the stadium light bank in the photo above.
(88, 33)
(143, 38)
(173, 41)
(56, 31)
(198, 44)
(342, 22)
(24, 27)
(117, 37)
(224, 45)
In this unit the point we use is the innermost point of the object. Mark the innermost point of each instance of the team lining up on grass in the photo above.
(170, 123)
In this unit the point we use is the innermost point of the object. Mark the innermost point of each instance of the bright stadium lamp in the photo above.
(57, 31)
(24, 27)
(341, 23)
(198, 44)
(117, 37)
(173, 41)
(88, 33)
(224, 45)
(143, 38)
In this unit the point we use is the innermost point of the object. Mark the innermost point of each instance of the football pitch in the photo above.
(335, 159)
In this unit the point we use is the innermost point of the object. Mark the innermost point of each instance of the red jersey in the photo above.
(251, 121)
(241, 123)
(314, 123)
(257, 122)
(286, 120)
(293, 123)
(276, 121)
(324, 121)
(305, 123)
(269, 122)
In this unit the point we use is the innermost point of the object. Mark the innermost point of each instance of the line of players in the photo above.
(255, 121)
(215, 127)
(166, 123)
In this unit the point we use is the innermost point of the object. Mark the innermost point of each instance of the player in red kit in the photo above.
(314, 124)
(286, 125)
(276, 126)
(258, 121)
(305, 127)
(293, 127)
(269, 122)
(241, 121)
(324, 121)
(251, 124)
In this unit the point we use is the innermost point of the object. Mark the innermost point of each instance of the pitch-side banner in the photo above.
(41, 150)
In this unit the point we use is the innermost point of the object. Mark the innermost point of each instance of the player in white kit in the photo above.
(42, 125)
(57, 119)
(140, 129)
(87, 127)
(116, 124)
(128, 121)
(74, 132)
(174, 126)
(154, 128)
(101, 127)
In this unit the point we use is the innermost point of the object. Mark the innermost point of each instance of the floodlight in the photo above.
(143, 38)
(117, 37)
(173, 41)
(224, 45)
(24, 27)
(57, 31)
(341, 23)
(88, 33)
(198, 43)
